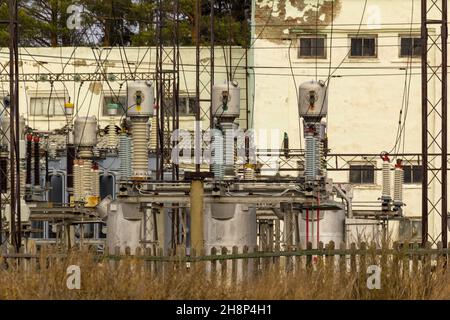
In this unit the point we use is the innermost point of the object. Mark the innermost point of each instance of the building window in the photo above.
(412, 174)
(312, 47)
(120, 100)
(186, 105)
(47, 106)
(362, 174)
(410, 47)
(363, 46)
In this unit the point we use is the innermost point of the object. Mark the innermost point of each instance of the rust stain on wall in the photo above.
(275, 17)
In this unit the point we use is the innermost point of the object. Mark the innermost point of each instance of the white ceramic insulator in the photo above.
(217, 156)
(95, 176)
(76, 181)
(23, 174)
(140, 150)
(398, 186)
(52, 150)
(153, 134)
(125, 152)
(87, 179)
(312, 157)
(386, 187)
(249, 173)
(228, 146)
(112, 135)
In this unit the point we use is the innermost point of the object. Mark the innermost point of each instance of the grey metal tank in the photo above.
(124, 225)
(331, 227)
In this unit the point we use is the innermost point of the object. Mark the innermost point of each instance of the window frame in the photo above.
(411, 167)
(51, 111)
(409, 36)
(363, 164)
(313, 36)
(363, 36)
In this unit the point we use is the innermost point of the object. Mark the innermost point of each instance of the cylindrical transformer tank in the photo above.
(228, 225)
(140, 99)
(124, 227)
(226, 99)
(331, 227)
(85, 131)
(313, 100)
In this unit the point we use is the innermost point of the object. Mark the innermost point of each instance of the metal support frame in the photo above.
(434, 118)
(14, 167)
(167, 78)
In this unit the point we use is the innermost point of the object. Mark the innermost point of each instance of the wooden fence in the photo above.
(234, 264)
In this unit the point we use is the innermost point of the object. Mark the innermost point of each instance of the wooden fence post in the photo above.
(234, 266)
(245, 264)
(223, 266)
(342, 263)
(309, 256)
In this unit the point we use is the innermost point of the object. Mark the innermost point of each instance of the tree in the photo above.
(126, 22)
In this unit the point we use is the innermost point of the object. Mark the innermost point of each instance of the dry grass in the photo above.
(130, 280)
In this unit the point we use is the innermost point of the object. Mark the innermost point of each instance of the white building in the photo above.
(373, 61)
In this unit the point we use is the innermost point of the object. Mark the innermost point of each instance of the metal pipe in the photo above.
(346, 199)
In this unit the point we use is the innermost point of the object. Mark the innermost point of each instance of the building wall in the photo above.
(365, 94)
(88, 96)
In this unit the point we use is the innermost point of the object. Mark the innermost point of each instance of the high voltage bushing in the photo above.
(69, 163)
(29, 160)
(140, 105)
(36, 161)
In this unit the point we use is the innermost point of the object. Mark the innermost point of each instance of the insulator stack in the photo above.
(140, 150)
(154, 134)
(398, 184)
(112, 135)
(87, 179)
(70, 166)
(29, 157)
(312, 157)
(76, 180)
(386, 183)
(249, 172)
(229, 149)
(3, 172)
(125, 156)
(217, 155)
(53, 150)
(36, 162)
(93, 198)
(22, 178)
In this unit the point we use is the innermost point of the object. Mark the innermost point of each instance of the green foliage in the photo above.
(126, 22)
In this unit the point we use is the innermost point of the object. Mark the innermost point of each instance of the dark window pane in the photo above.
(410, 47)
(312, 47)
(182, 107)
(417, 174)
(362, 174)
(417, 47)
(355, 174)
(406, 47)
(305, 47)
(368, 174)
(369, 47)
(356, 49)
(407, 174)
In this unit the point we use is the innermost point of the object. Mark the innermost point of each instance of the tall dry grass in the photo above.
(135, 279)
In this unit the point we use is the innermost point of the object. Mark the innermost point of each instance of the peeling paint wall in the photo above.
(275, 17)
